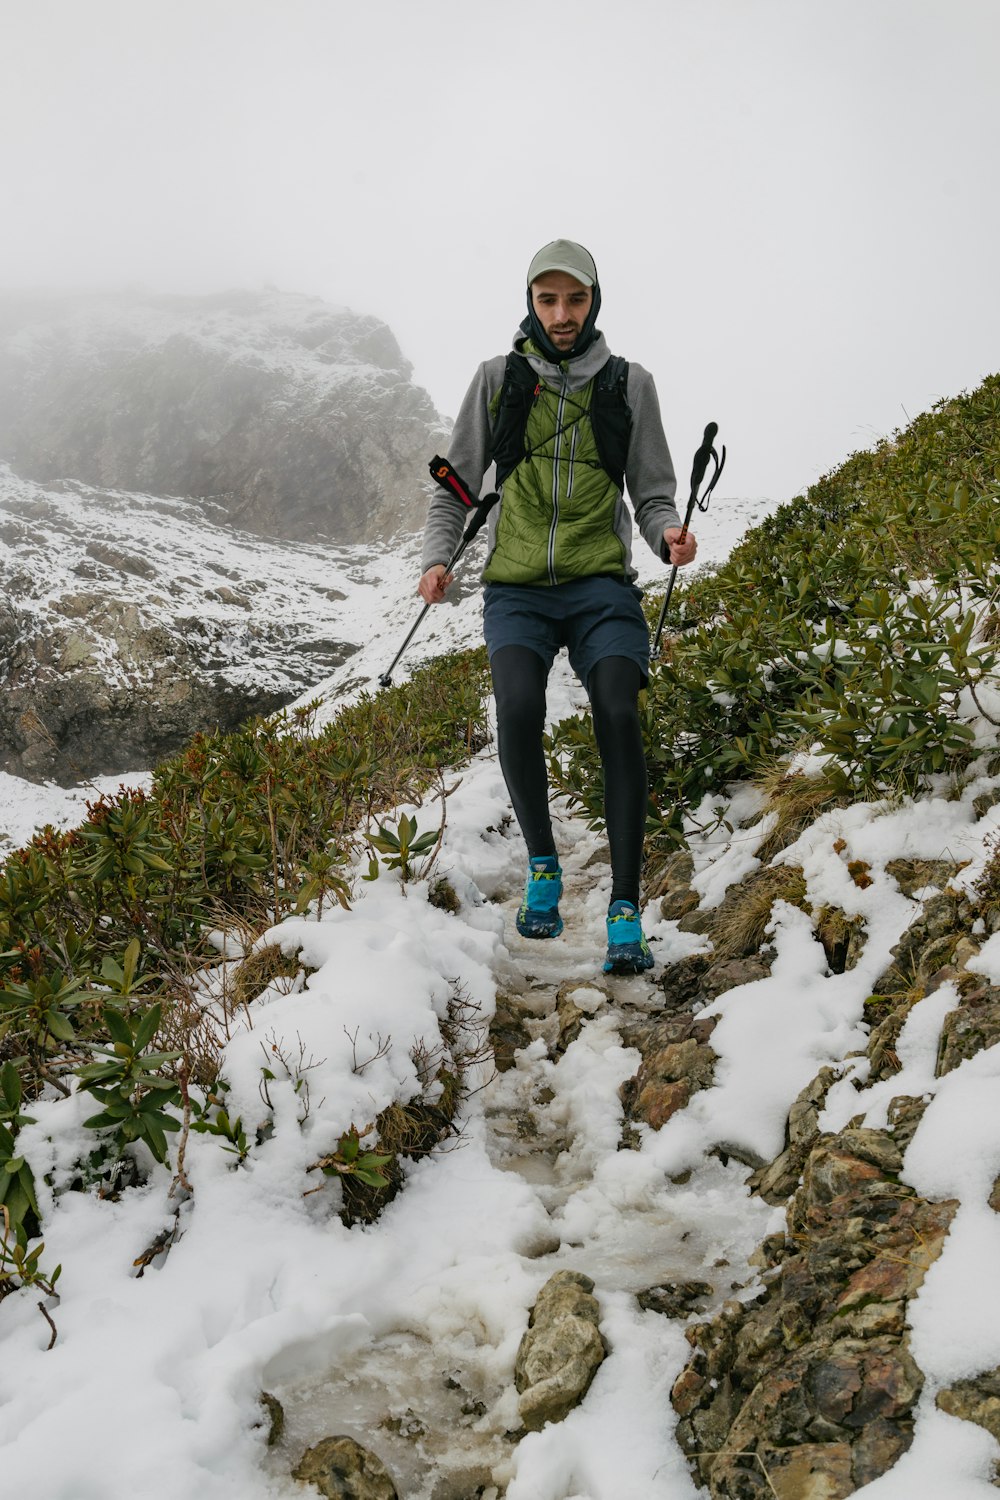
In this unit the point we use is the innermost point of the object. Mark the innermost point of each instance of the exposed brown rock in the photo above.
(571, 1015)
(843, 938)
(904, 1115)
(917, 874)
(681, 982)
(971, 1027)
(814, 1381)
(674, 874)
(885, 1035)
(809, 1471)
(677, 1062)
(976, 1400)
(342, 1470)
(677, 904)
(508, 1032)
(676, 1299)
(275, 1414)
(776, 1181)
(729, 973)
(874, 1146)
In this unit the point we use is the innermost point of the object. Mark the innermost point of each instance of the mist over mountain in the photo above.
(193, 492)
(295, 418)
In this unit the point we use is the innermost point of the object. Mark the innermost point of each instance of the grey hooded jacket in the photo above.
(649, 470)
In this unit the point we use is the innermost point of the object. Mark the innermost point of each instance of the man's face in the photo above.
(561, 305)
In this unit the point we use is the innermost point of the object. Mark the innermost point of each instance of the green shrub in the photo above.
(846, 621)
(103, 929)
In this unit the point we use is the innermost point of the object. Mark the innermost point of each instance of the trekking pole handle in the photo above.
(701, 461)
(449, 479)
(702, 457)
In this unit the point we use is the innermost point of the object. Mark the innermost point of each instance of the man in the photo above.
(568, 427)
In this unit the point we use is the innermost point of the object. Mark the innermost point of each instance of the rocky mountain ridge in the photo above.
(130, 622)
(196, 486)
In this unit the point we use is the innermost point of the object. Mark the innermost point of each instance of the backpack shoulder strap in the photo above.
(611, 417)
(509, 410)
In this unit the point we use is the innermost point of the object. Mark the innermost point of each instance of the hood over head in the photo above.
(576, 261)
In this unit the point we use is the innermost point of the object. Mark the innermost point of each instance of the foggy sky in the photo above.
(792, 203)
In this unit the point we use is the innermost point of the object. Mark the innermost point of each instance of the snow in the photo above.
(152, 1385)
(26, 806)
(253, 608)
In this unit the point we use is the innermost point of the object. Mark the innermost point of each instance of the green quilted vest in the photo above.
(557, 516)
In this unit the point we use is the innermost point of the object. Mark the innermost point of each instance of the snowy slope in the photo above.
(404, 1334)
(129, 622)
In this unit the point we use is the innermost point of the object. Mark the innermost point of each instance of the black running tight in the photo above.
(519, 677)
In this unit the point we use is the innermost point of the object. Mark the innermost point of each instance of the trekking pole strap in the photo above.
(449, 479)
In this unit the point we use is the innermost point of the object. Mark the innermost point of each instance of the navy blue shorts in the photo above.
(592, 617)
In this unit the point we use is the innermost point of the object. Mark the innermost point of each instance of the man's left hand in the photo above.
(680, 552)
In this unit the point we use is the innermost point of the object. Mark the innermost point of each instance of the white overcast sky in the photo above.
(793, 204)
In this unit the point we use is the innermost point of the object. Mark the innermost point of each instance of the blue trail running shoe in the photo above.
(538, 916)
(628, 951)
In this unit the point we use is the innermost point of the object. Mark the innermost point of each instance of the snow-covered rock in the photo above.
(130, 622)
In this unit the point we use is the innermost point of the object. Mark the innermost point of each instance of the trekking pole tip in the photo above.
(385, 680)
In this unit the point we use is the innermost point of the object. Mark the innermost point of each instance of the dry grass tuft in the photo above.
(989, 627)
(443, 895)
(843, 938)
(797, 800)
(253, 976)
(742, 920)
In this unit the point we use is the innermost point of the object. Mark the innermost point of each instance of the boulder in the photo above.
(561, 1350)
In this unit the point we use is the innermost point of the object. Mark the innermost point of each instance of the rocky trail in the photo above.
(661, 1296)
(448, 1415)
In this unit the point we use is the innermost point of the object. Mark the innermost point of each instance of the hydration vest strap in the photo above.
(610, 415)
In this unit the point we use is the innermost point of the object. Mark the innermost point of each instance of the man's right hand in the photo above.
(432, 585)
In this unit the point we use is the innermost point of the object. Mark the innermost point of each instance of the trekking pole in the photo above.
(450, 480)
(701, 461)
